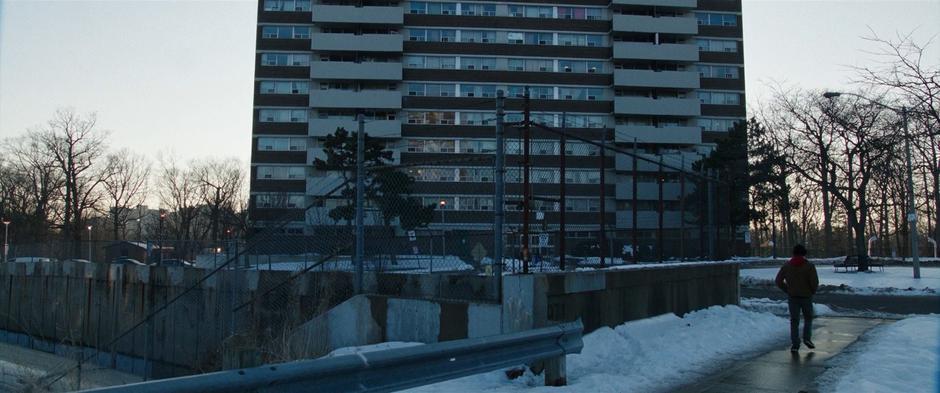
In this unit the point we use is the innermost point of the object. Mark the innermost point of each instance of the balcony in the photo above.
(624, 163)
(356, 71)
(378, 99)
(659, 3)
(650, 51)
(650, 78)
(350, 14)
(374, 128)
(647, 191)
(356, 42)
(659, 107)
(650, 24)
(648, 134)
(648, 219)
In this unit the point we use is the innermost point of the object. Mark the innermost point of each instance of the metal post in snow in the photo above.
(360, 200)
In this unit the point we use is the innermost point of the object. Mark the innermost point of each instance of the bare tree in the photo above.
(126, 188)
(901, 65)
(220, 183)
(29, 187)
(179, 193)
(76, 146)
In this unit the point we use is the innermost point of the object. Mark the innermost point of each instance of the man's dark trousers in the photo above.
(798, 305)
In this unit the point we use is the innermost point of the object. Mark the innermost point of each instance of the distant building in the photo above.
(668, 74)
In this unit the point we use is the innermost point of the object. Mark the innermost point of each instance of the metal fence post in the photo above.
(360, 195)
(498, 202)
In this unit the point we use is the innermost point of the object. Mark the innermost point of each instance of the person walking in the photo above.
(798, 279)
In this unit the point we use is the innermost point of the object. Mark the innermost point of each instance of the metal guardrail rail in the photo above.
(380, 371)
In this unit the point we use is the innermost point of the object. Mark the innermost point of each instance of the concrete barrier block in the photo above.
(518, 303)
(585, 282)
(413, 320)
(483, 320)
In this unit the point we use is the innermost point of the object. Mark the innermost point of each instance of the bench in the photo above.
(851, 262)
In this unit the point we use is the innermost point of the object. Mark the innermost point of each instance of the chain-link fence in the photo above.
(572, 197)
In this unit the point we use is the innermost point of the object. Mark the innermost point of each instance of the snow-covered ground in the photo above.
(895, 280)
(403, 263)
(647, 355)
(899, 357)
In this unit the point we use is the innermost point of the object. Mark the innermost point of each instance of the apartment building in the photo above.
(664, 78)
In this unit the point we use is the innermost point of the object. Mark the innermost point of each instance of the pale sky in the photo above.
(177, 75)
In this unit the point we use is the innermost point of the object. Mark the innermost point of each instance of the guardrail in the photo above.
(382, 371)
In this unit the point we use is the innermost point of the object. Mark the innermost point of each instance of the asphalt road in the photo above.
(877, 303)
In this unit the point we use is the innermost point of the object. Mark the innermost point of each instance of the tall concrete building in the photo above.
(667, 75)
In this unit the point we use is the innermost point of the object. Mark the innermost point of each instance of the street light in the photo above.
(6, 238)
(912, 212)
(89, 243)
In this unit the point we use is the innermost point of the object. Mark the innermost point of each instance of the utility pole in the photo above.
(912, 213)
(602, 238)
(499, 203)
(561, 191)
(682, 211)
(711, 213)
(659, 234)
(635, 208)
(525, 182)
(360, 199)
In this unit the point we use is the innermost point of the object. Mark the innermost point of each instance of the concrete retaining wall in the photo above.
(611, 297)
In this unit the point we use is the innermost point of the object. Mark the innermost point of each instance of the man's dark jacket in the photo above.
(798, 277)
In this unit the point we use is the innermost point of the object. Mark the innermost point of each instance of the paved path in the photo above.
(780, 370)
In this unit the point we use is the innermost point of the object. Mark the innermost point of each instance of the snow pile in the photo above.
(647, 355)
(371, 348)
(893, 281)
(780, 307)
(900, 357)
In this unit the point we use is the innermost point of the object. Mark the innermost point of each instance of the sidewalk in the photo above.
(782, 371)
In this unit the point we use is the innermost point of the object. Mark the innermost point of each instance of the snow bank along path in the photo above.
(646, 355)
(894, 280)
(899, 357)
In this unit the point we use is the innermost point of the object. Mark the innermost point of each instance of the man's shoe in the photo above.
(809, 344)
(794, 347)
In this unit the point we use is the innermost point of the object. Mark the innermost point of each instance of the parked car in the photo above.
(177, 263)
(128, 261)
(32, 259)
(77, 260)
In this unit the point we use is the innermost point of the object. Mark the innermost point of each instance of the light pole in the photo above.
(443, 234)
(912, 209)
(89, 243)
(162, 218)
(6, 238)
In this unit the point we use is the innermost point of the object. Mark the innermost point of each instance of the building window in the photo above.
(266, 172)
(288, 32)
(285, 59)
(716, 125)
(716, 45)
(476, 9)
(282, 115)
(287, 5)
(722, 72)
(284, 87)
(712, 19)
(282, 144)
(719, 98)
(279, 201)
